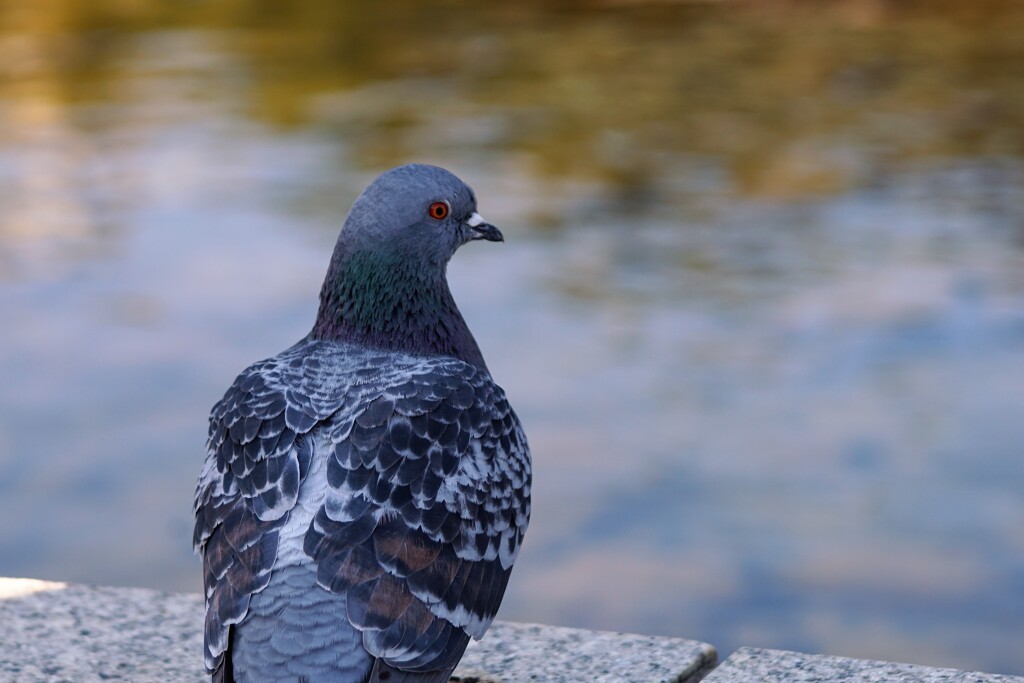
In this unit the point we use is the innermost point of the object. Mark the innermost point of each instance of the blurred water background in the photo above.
(760, 308)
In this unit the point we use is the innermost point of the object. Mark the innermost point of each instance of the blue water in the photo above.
(785, 421)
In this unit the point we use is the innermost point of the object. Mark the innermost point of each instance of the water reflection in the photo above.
(774, 256)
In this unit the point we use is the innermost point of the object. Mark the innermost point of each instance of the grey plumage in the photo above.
(292, 631)
(366, 491)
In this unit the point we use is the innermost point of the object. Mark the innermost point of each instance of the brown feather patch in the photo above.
(408, 552)
(418, 617)
(359, 567)
(389, 599)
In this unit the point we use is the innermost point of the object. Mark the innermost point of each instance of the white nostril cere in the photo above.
(475, 220)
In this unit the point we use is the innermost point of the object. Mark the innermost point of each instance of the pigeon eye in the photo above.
(438, 210)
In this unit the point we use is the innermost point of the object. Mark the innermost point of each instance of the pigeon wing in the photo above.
(428, 502)
(258, 453)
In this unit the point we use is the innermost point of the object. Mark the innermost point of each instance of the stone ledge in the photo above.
(752, 665)
(67, 633)
(82, 634)
(531, 652)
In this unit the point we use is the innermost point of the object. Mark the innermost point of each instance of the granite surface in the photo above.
(529, 652)
(81, 634)
(70, 633)
(751, 665)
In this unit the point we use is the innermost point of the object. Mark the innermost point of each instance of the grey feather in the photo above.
(294, 629)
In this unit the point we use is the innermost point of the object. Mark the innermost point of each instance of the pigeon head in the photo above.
(386, 286)
(421, 213)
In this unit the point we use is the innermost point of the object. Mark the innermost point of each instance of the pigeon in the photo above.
(365, 492)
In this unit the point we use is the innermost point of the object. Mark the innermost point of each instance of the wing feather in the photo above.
(434, 473)
(428, 474)
(257, 455)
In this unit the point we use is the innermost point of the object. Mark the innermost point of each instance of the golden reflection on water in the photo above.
(783, 101)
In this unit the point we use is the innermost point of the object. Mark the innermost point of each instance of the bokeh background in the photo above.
(760, 308)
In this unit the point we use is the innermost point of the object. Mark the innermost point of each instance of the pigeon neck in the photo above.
(394, 304)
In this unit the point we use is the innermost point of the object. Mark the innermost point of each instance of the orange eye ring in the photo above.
(439, 211)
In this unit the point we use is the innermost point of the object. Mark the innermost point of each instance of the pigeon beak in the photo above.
(479, 229)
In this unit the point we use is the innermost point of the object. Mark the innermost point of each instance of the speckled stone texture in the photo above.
(511, 653)
(750, 665)
(80, 634)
